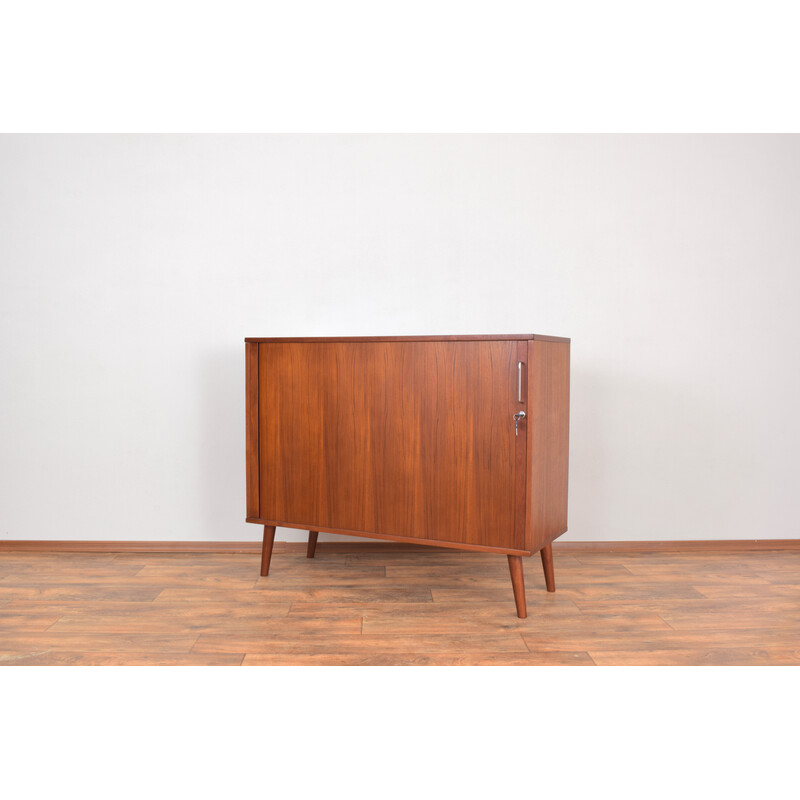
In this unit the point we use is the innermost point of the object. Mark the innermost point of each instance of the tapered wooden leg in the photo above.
(266, 549)
(518, 582)
(312, 543)
(547, 566)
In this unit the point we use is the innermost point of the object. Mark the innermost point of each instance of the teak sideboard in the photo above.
(454, 441)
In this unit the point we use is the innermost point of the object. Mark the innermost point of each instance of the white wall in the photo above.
(131, 268)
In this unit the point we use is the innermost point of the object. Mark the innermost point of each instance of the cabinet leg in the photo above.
(518, 582)
(547, 566)
(266, 549)
(312, 543)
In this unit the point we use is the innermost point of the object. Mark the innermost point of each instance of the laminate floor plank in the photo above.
(499, 568)
(117, 659)
(26, 556)
(246, 573)
(701, 605)
(373, 592)
(632, 592)
(16, 621)
(570, 633)
(504, 659)
(630, 638)
(684, 564)
(734, 656)
(783, 577)
(72, 573)
(490, 644)
(183, 578)
(87, 591)
(241, 626)
(321, 576)
(101, 642)
(183, 559)
(378, 604)
(661, 576)
(733, 620)
(622, 555)
(423, 610)
(462, 619)
(735, 591)
(117, 608)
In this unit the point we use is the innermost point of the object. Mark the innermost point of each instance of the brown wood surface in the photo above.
(266, 549)
(312, 543)
(251, 427)
(394, 604)
(462, 338)
(548, 442)
(520, 403)
(404, 439)
(399, 539)
(518, 584)
(547, 567)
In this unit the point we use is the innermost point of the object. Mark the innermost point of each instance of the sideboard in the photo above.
(453, 441)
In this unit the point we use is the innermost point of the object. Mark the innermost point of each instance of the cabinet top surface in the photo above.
(462, 338)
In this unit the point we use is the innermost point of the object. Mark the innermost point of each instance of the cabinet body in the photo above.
(411, 438)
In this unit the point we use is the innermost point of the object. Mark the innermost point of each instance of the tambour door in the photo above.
(401, 438)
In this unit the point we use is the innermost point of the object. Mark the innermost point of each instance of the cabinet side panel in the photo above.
(251, 427)
(548, 441)
(521, 500)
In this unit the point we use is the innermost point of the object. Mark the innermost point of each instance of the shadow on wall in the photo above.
(656, 460)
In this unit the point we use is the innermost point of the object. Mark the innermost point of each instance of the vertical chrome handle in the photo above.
(519, 381)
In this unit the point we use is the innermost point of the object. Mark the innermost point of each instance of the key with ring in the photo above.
(517, 417)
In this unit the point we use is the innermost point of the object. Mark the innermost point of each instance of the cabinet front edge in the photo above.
(391, 537)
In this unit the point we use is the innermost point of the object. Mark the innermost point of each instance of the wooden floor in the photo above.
(393, 604)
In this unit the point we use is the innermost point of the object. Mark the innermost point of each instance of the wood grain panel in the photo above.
(251, 427)
(548, 441)
(521, 447)
(395, 539)
(403, 439)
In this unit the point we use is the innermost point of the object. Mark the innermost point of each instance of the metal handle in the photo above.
(519, 381)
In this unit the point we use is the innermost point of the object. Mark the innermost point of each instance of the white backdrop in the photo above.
(132, 267)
